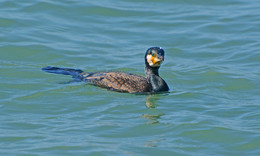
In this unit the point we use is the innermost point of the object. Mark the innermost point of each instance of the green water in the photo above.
(212, 67)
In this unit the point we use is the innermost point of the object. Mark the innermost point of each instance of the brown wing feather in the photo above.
(119, 81)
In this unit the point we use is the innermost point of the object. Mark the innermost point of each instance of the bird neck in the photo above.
(152, 75)
(151, 71)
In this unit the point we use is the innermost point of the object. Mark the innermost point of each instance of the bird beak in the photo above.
(155, 61)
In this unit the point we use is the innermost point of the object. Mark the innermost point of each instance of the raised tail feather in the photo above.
(75, 73)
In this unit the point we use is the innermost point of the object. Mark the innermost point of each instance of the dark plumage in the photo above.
(121, 81)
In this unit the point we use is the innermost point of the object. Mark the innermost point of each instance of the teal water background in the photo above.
(212, 67)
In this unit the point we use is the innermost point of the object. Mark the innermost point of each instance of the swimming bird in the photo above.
(121, 81)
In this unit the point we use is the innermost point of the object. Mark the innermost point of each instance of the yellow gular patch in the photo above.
(153, 61)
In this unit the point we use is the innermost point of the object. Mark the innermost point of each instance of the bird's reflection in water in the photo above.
(150, 101)
(153, 118)
(151, 104)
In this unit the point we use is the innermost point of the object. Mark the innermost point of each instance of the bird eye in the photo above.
(153, 55)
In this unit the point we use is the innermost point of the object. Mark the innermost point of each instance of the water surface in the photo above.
(212, 67)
